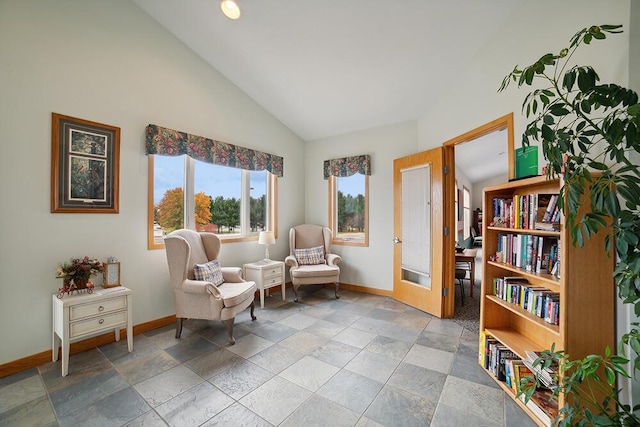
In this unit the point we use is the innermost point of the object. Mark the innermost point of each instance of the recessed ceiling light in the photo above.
(230, 9)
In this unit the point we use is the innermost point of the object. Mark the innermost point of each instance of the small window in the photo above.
(236, 204)
(466, 201)
(349, 209)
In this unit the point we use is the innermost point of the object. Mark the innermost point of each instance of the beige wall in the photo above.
(106, 61)
(365, 266)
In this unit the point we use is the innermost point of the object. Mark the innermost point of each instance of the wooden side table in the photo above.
(81, 315)
(266, 274)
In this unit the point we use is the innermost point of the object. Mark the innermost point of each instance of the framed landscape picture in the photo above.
(84, 166)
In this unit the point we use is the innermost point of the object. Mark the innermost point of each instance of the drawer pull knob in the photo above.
(101, 321)
(101, 308)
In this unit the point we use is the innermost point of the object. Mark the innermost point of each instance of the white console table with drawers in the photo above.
(82, 315)
(266, 274)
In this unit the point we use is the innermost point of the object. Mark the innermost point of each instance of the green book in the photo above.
(526, 161)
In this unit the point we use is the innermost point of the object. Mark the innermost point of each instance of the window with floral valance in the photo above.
(347, 166)
(207, 185)
(349, 199)
(168, 142)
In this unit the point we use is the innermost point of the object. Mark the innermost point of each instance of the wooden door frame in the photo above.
(504, 122)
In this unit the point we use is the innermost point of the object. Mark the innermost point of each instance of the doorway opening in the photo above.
(478, 158)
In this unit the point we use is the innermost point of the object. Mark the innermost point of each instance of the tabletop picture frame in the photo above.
(111, 275)
(85, 161)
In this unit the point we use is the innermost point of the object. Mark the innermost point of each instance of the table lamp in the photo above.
(266, 238)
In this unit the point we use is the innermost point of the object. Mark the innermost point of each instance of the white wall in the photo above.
(367, 266)
(478, 187)
(536, 28)
(106, 61)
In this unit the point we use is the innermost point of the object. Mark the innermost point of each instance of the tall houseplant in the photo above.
(588, 131)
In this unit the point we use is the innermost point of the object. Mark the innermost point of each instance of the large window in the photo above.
(234, 203)
(349, 209)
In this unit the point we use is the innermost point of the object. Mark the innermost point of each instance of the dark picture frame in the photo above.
(85, 161)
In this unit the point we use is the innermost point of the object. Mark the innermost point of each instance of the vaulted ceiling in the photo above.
(325, 68)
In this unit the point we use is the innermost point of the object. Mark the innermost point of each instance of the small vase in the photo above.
(81, 282)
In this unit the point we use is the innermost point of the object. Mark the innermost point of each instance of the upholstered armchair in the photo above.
(310, 259)
(201, 288)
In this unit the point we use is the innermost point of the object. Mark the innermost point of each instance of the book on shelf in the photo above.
(547, 226)
(546, 376)
(526, 211)
(537, 254)
(482, 347)
(543, 404)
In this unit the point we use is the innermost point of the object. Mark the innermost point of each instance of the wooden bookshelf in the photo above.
(585, 284)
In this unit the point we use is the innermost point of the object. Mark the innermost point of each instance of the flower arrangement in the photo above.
(79, 270)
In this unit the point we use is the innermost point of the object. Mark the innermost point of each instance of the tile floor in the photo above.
(362, 360)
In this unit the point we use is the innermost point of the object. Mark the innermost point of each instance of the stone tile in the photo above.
(303, 342)
(82, 367)
(188, 348)
(240, 379)
(389, 347)
(410, 320)
(249, 345)
(318, 411)
(21, 392)
(236, 415)
(374, 366)
(275, 332)
(148, 419)
(37, 412)
(430, 358)
(418, 380)
(166, 337)
(299, 320)
(8, 380)
(118, 352)
(213, 362)
(437, 340)
(219, 336)
(342, 318)
(351, 390)
(309, 373)
(276, 358)
(276, 399)
(194, 406)
(476, 399)
(140, 369)
(367, 422)
(368, 324)
(402, 333)
(382, 314)
(447, 416)
(514, 416)
(116, 409)
(354, 337)
(84, 393)
(444, 326)
(167, 385)
(319, 312)
(467, 368)
(395, 407)
(468, 347)
(324, 328)
(335, 353)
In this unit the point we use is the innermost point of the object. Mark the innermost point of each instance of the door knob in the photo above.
(396, 239)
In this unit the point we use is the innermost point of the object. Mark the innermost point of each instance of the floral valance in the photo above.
(169, 142)
(348, 166)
